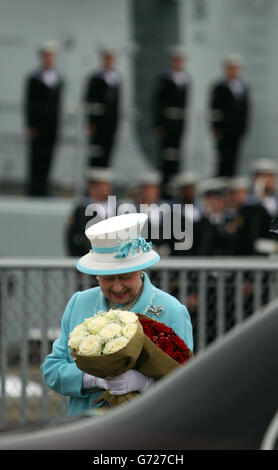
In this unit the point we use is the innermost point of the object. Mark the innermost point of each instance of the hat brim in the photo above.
(89, 265)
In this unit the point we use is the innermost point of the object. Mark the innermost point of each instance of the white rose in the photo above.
(78, 328)
(110, 331)
(115, 345)
(127, 317)
(96, 324)
(110, 315)
(76, 338)
(129, 330)
(91, 346)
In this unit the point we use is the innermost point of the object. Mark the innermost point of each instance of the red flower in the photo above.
(166, 345)
(147, 327)
(179, 357)
(179, 343)
(166, 339)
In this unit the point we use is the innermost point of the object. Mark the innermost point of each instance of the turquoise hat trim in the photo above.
(124, 249)
(99, 249)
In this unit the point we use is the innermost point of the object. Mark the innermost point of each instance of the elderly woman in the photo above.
(118, 257)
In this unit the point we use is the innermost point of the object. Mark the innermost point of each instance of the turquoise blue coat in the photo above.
(59, 370)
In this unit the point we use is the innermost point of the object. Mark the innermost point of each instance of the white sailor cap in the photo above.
(238, 183)
(49, 46)
(177, 51)
(264, 165)
(217, 186)
(234, 59)
(153, 177)
(187, 178)
(104, 50)
(100, 175)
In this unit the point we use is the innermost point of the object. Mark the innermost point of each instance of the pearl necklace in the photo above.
(126, 307)
(129, 305)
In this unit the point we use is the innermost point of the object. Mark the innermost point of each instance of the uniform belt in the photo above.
(96, 109)
(173, 112)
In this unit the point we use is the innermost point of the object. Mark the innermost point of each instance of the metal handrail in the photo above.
(169, 263)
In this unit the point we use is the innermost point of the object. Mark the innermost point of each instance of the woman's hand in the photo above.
(129, 381)
(90, 381)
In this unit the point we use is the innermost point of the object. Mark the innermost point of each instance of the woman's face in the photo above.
(121, 288)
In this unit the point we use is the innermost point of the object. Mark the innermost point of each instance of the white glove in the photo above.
(90, 381)
(129, 381)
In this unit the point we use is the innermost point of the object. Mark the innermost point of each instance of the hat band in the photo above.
(109, 249)
(124, 249)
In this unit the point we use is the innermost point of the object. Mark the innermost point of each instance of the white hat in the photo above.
(177, 51)
(150, 178)
(100, 174)
(264, 165)
(49, 46)
(238, 183)
(234, 59)
(117, 246)
(104, 50)
(185, 179)
(217, 185)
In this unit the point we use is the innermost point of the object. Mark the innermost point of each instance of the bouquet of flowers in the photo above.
(107, 344)
(110, 343)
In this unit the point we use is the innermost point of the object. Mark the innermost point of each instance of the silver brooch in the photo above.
(155, 310)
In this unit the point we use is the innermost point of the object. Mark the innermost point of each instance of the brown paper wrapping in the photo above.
(114, 364)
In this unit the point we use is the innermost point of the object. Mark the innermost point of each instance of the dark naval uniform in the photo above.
(42, 102)
(229, 107)
(169, 112)
(252, 222)
(102, 98)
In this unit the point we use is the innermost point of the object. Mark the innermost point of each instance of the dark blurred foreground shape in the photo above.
(225, 399)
